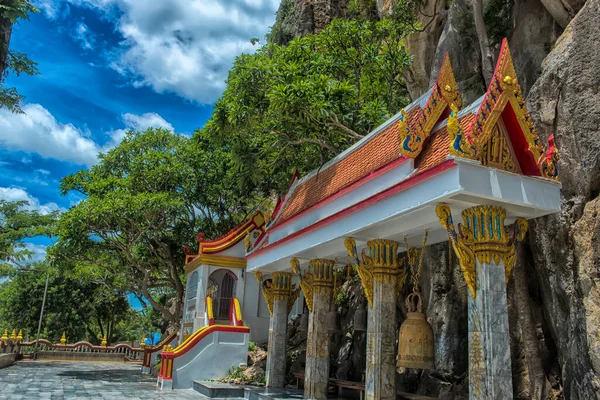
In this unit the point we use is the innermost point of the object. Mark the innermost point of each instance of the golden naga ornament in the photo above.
(266, 289)
(482, 237)
(280, 287)
(459, 145)
(416, 343)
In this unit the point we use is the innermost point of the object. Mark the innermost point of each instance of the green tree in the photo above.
(11, 61)
(296, 106)
(84, 310)
(17, 223)
(145, 200)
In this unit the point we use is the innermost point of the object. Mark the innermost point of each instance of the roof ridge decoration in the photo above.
(234, 236)
(504, 89)
(459, 145)
(443, 94)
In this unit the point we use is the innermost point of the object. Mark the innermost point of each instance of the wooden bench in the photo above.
(341, 384)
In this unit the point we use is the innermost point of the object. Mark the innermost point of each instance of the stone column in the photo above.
(317, 283)
(378, 272)
(280, 295)
(487, 253)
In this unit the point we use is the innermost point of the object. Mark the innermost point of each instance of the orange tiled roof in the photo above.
(376, 153)
(437, 147)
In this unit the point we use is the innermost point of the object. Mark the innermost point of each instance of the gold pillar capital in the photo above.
(483, 237)
(323, 272)
(318, 276)
(381, 264)
(279, 288)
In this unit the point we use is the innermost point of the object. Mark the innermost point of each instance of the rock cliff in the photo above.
(554, 296)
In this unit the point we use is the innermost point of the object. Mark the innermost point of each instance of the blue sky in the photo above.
(111, 65)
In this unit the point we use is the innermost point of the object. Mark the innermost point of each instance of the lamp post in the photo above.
(37, 339)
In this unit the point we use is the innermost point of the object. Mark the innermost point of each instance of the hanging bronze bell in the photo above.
(415, 344)
(360, 319)
(303, 327)
(333, 322)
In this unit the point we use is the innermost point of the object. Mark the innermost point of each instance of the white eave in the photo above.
(320, 233)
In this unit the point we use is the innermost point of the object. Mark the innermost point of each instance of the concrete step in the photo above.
(218, 390)
(261, 393)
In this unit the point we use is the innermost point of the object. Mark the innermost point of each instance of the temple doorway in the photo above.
(223, 284)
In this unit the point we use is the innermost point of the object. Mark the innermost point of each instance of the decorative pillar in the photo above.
(379, 276)
(280, 295)
(486, 251)
(317, 285)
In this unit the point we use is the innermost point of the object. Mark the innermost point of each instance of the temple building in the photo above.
(406, 184)
(224, 310)
(434, 163)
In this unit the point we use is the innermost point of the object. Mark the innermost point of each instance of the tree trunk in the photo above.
(487, 59)
(5, 32)
(539, 385)
(560, 11)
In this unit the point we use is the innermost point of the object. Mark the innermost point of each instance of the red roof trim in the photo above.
(448, 164)
(232, 237)
(352, 186)
(208, 330)
(281, 201)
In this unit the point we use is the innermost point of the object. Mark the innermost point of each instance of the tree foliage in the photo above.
(11, 61)
(296, 106)
(84, 310)
(17, 224)
(145, 201)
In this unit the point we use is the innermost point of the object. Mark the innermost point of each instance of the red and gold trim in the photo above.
(148, 350)
(504, 98)
(443, 94)
(169, 354)
(257, 221)
(236, 312)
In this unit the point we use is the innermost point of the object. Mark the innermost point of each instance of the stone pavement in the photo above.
(82, 380)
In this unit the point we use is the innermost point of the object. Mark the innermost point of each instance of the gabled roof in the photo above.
(430, 130)
(255, 223)
(504, 102)
(375, 151)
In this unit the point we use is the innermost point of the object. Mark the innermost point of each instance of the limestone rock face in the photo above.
(459, 41)
(566, 247)
(422, 46)
(314, 15)
(557, 60)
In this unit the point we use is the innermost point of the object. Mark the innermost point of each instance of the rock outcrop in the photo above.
(554, 296)
(565, 101)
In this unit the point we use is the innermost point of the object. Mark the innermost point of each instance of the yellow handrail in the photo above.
(238, 311)
(209, 309)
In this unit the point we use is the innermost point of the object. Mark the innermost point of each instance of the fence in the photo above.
(76, 351)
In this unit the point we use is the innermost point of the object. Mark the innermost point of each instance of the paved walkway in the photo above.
(84, 380)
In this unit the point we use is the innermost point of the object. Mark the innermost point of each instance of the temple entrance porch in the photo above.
(483, 165)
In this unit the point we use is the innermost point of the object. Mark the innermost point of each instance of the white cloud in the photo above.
(37, 131)
(145, 121)
(18, 194)
(84, 36)
(43, 171)
(139, 123)
(38, 251)
(184, 46)
(50, 8)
